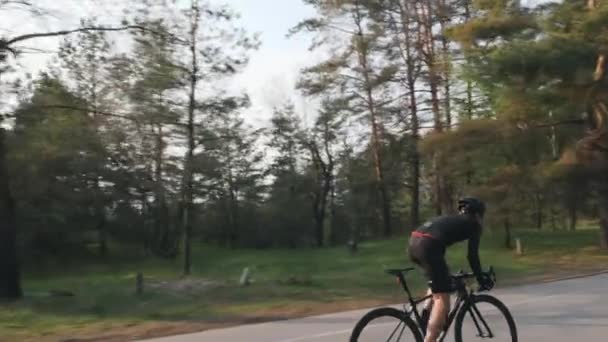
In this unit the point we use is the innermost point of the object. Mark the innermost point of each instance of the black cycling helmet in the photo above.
(471, 205)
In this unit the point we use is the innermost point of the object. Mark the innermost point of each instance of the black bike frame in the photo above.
(463, 298)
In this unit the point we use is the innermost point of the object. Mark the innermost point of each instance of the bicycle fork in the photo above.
(473, 310)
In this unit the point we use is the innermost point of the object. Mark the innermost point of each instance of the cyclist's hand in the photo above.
(485, 282)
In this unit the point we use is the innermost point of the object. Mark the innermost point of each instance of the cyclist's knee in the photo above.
(444, 298)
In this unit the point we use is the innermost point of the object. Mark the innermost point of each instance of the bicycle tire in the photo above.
(488, 300)
(385, 312)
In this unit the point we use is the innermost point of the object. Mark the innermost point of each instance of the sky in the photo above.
(269, 78)
(273, 70)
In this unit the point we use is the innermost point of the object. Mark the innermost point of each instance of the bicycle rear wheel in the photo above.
(386, 325)
(485, 317)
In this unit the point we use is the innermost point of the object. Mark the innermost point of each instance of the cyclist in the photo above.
(427, 247)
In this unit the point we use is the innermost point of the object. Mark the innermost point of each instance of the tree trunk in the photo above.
(539, 212)
(319, 237)
(355, 230)
(437, 186)
(469, 91)
(103, 235)
(427, 49)
(443, 19)
(469, 104)
(415, 207)
(100, 214)
(323, 213)
(319, 195)
(603, 213)
(447, 204)
(318, 215)
(573, 216)
(407, 53)
(352, 207)
(328, 184)
(233, 210)
(189, 196)
(162, 239)
(380, 182)
(319, 212)
(227, 228)
(553, 222)
(598, 136)
(469, 101)
(235, 220)
(333, 235)
(507, 224)
(10, 279)
(376, 141)
(148, 228)
(99, 205)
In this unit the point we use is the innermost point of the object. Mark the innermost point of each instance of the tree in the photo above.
(321, 145)
(289, 190)
(593, 148)
(545, 53)
(353, 70)
(84, 55)
(406, 44)
(232, 171)
(157, 78)
(194, 17)
(10, 285)
(399, 19)
(57, 182)
(210, 48)
(9, 46)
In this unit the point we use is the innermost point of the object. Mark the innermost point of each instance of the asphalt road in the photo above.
(564, 311)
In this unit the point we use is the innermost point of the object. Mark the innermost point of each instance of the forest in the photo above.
(129, 142)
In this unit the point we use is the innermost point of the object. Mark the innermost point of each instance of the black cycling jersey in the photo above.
(456, 228)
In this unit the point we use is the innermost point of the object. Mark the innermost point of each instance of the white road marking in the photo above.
(330, 333)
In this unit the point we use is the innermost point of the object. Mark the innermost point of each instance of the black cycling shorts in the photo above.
(429, 254)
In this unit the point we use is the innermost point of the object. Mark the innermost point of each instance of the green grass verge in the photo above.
(287, 283)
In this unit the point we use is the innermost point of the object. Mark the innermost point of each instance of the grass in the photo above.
(287, 283)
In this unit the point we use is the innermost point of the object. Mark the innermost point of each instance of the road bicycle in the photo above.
(474, 315)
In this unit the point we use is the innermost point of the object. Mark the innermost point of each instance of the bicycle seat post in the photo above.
(406, 288)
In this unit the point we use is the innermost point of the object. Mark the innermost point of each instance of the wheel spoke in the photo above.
(386, 324)
(401, 333)
(394, 331)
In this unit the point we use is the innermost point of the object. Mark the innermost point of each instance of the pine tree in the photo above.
(354, 70)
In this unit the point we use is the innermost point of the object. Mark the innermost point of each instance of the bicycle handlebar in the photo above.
(467, 275)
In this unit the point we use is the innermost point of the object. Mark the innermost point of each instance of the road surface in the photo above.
(564, 311)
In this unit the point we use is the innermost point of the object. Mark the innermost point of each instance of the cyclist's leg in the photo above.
(439, 312)
(417, 254)
(428, 304)
(441, 288)
(425, 313)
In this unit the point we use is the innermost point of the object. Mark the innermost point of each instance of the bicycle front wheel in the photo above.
(386, 325)
(485, 318)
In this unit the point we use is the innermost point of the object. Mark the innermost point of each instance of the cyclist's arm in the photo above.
(473, 254)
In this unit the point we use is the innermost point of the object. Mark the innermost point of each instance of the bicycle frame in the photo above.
(464, 297)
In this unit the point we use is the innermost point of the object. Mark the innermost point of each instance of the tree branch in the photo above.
(560, 123)
(124, 116)
(6, 44)
(544, 125)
